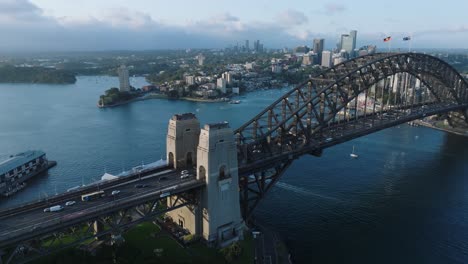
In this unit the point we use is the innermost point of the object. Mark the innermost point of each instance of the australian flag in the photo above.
(406, 38)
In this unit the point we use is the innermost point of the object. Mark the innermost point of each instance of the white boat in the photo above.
(353, 155)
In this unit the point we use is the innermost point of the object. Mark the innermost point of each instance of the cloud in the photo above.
(20, 12)
(292, 18)
(28, 29)
(333, 8)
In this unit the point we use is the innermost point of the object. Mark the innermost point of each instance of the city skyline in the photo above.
(48, 25)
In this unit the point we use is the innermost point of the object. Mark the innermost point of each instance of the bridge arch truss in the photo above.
(352, 99)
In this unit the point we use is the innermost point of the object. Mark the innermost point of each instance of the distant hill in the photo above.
(12, 74)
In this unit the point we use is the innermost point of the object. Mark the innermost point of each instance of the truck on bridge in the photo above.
(92, 196)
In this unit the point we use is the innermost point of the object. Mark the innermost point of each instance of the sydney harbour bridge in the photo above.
(352, 99)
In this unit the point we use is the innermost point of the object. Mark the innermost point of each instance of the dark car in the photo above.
(163, 178)
(141, 185)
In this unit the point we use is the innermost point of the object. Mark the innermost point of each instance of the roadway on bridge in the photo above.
(167, 181)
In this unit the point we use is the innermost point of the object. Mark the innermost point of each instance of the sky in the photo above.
(82, 25)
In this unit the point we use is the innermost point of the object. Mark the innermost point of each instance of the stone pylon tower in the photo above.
(217, 166)
(182, 140)
(217, 216)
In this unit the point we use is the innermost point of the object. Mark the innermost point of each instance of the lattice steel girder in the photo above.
(251, 192)
(351, 79)
(116, 223)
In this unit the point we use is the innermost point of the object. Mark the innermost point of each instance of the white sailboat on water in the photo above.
(353, 155)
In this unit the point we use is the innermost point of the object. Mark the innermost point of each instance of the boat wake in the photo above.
(304, 191)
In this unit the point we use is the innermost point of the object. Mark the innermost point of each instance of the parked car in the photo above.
(70, 203)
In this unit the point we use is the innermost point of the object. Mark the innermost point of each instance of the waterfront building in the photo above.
(228, 77)
(221, 85)
(18, 168)
(123, 79)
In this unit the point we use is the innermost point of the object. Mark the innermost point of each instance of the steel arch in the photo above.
(303, 120)
(322, 97)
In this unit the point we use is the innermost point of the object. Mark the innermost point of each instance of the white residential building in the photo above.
(123, 79)
(221, 85)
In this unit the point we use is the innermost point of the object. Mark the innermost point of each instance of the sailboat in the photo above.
(353, 155)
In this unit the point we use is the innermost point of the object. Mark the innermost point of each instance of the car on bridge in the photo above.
(70, 203)
(163, 178)
(55, 208)
(115, 192)
(185, 176)
(141, 185)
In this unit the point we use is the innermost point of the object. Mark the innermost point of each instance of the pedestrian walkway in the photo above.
(269, 248)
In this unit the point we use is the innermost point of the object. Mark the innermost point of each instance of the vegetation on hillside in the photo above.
(114, 96)
(11, 74)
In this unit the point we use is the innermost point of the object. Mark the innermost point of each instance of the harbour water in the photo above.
(404, 200)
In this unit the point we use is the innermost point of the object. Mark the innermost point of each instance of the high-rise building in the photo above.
(257, 46)
(307, 59)
(123, 79)
(318, 47)
(221, 85)
(326, 58)
(227, 76)
(201, 59)
(247, 48)
(348, 42)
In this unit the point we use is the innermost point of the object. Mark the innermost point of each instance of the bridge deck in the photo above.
(35, 222)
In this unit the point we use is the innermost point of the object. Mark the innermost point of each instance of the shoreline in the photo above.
(162, 96)
(429, 125)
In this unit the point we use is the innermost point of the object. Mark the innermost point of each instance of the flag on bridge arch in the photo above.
(387, 39)
(406, 38)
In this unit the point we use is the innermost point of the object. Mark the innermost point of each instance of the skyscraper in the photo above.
(247, 48)
(348, 42)
(228, 77)
(326, 58)
(318, 48)
(123, 79)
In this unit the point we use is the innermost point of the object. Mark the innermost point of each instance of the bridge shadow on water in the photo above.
(404, 204)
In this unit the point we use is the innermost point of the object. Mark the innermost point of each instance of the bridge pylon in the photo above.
(217, 165)
(217, 216)
(182, 140)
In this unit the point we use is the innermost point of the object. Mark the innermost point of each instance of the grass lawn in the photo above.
(139, 246)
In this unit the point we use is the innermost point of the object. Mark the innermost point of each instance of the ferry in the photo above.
(17, 169)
